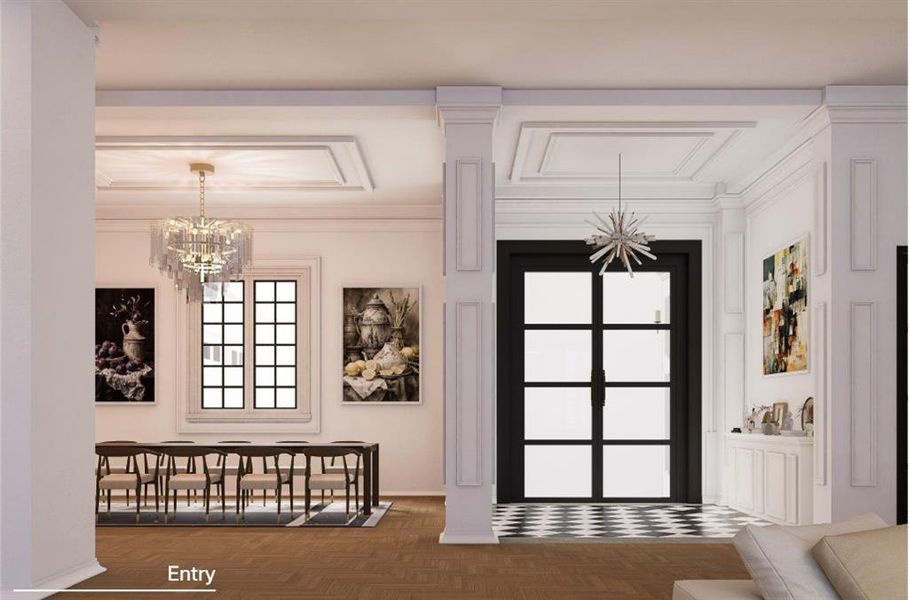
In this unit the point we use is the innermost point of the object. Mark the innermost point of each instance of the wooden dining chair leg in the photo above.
(291, 496)
(138, 504)
(157, 491)
(97, 498)
(206, 497)
(223, 516)
(347, 503)
(357, 495)
(127, 497)
(108, 502)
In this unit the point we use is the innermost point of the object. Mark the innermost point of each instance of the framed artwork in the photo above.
(785, 309)
(381, 345)
(780, 410)
(124, 346)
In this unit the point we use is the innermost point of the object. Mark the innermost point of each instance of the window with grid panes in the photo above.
(275, 342)
(223, 345)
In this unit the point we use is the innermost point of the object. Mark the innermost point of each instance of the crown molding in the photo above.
(274, 212)
(215, 98)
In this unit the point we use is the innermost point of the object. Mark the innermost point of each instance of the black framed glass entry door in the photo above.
(594, 379)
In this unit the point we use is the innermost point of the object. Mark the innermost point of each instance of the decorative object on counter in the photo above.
(736, 430)
(785, 309)
(381, 345)
(806, 414)
(756, 417)
(619, 237)
(194, 251)
(125, 345)
(780, 410)
(770, 428)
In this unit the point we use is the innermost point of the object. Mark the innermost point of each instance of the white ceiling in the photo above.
(400, 44)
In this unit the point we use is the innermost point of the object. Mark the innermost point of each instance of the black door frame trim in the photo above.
(508, 477)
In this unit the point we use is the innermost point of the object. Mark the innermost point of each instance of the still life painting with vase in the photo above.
(125, 345)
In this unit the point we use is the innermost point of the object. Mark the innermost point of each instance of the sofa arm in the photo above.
(716, 589)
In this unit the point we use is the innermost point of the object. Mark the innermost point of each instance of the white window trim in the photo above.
(306, 418)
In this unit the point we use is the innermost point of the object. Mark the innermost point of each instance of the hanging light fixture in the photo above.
(619, 237)
(194, 251)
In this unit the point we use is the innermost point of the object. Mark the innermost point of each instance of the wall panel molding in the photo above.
(863, 217)
(820, 220)
(733, 272)
(821, 441)
(734, 376)
(468, 396)
(863, 399)
(469, 218)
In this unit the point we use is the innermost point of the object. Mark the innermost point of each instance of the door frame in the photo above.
(901, 384)
(509, 467)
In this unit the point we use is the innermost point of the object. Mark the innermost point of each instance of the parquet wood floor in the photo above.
(399, 559)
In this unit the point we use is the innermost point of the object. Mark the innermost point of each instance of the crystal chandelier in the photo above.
(619, 237)
(194, 251)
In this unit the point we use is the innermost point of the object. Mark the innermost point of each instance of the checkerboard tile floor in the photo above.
(618, 521)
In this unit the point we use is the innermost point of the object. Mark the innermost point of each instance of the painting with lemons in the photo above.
(381, 362)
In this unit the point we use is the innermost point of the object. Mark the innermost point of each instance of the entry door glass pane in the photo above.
(636, 471)
(557, 413)
(641, 299)
(636, 355)
(555, 298)
(636, 414)
(557, 471)
(557, 355)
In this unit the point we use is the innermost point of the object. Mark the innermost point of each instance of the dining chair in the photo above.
(190, 466)
(331, 467)
(132, 479)
(333, 481)
(248, 481)
(118, 469)
(192, 480)
(232, 470)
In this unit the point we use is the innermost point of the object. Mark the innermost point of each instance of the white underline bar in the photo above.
(121, 591)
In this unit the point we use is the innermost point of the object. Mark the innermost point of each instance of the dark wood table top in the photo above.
(227, 446)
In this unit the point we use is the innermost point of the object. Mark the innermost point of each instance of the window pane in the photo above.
(286, 334)
(556, 355)
(557, 297)
(233, 313)
(557, 413)
(641, 299)
(233, 376)
(265, 376)
(636, 471)
(233, 398)
(265, 355)
(233, 291)
(233, 355)
(212, 355)
(265, 291)
(286, 291)
(265, 313)
(265, 334)
(285, 313)
(636, 355)
(285, 355)
(211, 292)
(265, 397)
(285, 376)
(211, 334)
(557, 471)
(211, 376)
(285, 398)
(211, 313)
(233, 334)
(211, 397)
(636, 414)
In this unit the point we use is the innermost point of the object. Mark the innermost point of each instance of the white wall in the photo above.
(386, 252)
(779, 220)
(46, 287)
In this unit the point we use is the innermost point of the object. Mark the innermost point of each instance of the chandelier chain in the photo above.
(202, 193)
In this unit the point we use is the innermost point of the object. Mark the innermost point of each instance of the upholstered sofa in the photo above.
(860, 558)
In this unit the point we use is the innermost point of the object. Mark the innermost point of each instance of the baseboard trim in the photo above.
(59, 581)
(468, 538)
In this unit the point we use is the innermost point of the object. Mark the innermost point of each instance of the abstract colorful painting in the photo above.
(785, 309)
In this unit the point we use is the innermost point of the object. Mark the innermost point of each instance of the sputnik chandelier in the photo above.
(619, 236)
(194, 251)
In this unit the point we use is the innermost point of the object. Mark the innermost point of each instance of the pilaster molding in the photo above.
(821, 441)
(863, 394)
(863, 213)
(733, 272)
(469, 214)
(468, 105)
(820, 219)
(865, 104)
(469, 393)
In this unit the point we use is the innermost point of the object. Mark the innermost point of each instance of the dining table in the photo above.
(368, 450)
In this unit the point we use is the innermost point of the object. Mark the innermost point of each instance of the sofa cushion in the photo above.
(712, 589)
(779, 558)
(869, 565)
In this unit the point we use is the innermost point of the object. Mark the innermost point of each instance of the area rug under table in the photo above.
(329, 514)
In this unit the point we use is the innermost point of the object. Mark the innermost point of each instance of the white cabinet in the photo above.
(769, 476)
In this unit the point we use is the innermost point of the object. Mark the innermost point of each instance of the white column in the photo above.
(731, 324)
(47, 81)
(865, 221)
(468, 115)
